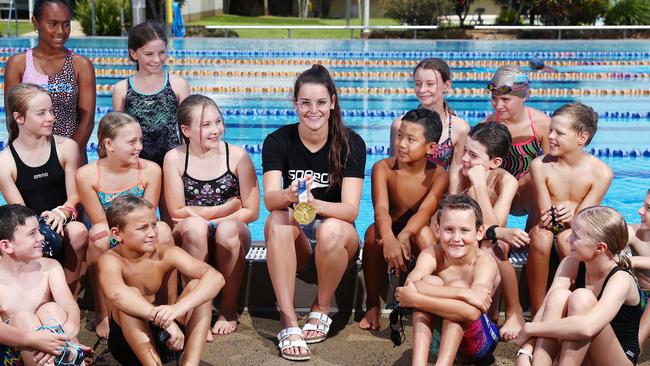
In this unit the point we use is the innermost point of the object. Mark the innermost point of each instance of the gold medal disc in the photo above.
(304, 213)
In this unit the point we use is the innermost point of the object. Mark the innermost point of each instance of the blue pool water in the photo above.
(249, 117)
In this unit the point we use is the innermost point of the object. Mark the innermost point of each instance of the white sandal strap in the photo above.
(288, 343)
(323, 328)
(322, 317)
(287, 332)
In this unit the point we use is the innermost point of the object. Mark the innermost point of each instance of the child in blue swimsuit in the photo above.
(119, 171)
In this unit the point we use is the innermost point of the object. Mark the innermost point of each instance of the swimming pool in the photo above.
(381, 68)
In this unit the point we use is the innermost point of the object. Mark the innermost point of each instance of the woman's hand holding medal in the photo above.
(304, 212)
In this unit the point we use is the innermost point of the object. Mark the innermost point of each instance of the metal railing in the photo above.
(352, 28)
(415, 28)
(560, 28)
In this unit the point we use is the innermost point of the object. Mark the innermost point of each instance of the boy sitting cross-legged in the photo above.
(35, 294)
(131, 275)
(453, 283)
(565, 181)
(405, 194)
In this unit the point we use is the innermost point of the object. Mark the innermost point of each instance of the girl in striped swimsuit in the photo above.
(529, 129)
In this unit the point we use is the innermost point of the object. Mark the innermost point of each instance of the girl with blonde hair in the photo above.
(38, 172)
(119, 171)
(593, 308)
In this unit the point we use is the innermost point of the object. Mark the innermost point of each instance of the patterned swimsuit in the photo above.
(521, 154)
(156, 113)
(213, 192)
(444, 152)
(64, 90)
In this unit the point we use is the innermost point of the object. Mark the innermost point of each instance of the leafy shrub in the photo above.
(107, 16)
(508, 17)
(570, 12)
(629, 12)
(416, 12)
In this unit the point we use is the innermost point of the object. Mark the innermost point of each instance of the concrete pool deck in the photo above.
(254, 344)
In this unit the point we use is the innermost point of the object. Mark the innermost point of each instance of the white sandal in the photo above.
(322, 327)
(285, 343)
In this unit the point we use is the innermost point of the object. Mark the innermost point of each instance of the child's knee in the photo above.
(229, 234)
(581, 301)
(51, 313)
(434, 280)
(77, 235)
(541, 240)
(165, 235)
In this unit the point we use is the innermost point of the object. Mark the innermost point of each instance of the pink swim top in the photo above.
(64, 90)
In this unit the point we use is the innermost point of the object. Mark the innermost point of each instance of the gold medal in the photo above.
(304, 212)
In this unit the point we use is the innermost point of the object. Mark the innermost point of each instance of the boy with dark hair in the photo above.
(132, 275)
(37, 296)
(481, 177)
(453, 283)
(565, 181)
(405, 193)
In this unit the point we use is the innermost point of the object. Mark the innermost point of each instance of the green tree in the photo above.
(416, 12)
(629, 12)
(107, 16)
(461, 8)
(570, 12)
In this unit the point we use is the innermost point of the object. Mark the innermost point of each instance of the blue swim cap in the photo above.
(52, 242)
(536, 62)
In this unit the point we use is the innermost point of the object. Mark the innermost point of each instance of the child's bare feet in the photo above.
(209, 338)
(225, 324)
(102, 327)
(511, 327)
(370, 320)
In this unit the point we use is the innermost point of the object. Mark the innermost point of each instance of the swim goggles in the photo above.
(516, 88)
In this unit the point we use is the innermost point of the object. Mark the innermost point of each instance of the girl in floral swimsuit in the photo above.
(432, 78)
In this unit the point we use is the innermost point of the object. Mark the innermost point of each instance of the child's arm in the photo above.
(180, 86)
(542, 195)
(209, 284)
(394, 251)
(13, 75)
(348, 208)
(127, 300)
(153, 175)
(425, 265)
(455, 179)
(8, 188)
(640, 262)
(496, 214)
(87, 101)
(448, 308)
(249, 190)
(175, 194)
(119, 93)
(429, 205)
(85, 178)
(63, 297)
(586, 326)
(41, 341)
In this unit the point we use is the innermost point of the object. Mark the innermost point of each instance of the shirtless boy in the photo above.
(481, 177)
(131, 276)
(565, 181)
(453, 282)
(405, 193)
(35, 292)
